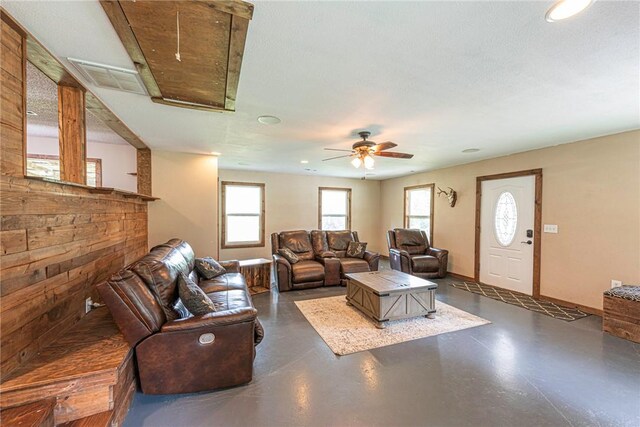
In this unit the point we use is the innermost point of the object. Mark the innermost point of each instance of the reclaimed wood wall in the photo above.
(57, 241)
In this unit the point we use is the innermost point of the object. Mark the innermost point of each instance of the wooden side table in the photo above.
(257, 272)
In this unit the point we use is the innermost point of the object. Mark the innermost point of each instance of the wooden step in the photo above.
(88, 370)
(36, 414)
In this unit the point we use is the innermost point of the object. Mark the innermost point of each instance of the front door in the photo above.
(507, 214)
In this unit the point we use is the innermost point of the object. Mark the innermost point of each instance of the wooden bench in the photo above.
(621, 312)
(88, 372)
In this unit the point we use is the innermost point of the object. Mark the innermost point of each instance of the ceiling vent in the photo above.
(110, 77)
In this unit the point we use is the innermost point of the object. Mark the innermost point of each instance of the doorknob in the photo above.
(528, 242)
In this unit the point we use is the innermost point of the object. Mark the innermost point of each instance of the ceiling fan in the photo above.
(363, 151)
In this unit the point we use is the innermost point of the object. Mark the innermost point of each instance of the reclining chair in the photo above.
(410, 252)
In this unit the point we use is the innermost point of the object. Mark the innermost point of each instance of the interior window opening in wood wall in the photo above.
(243, 214)
(47, 166)
(334, 208)
(42, 125)
(418, 208)
(119, 158)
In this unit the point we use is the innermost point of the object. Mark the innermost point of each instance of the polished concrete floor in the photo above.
(524, 369)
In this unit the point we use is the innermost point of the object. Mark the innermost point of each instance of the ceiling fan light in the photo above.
(368, 162)
(564, 9)
(356, 162)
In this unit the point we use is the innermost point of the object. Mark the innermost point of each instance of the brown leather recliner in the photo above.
(190, 354)
(410, 252)
(310, 272)
(328, 244)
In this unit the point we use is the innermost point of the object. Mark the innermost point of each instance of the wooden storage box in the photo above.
(621, 315)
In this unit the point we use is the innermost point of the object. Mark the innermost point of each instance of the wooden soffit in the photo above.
(212, 37)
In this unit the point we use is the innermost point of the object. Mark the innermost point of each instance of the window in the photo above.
(506, 218)
(242, 215)
(334, 208)
(418, 208)
(47, 166)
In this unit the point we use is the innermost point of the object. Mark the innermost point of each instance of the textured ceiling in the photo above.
(42, 99)
(434, 77)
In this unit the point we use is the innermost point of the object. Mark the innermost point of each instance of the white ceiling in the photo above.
(434, 77)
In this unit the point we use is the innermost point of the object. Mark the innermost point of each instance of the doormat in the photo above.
(522, 300)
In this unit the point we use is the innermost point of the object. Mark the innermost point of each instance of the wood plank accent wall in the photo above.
(144, 171)
(73, 134)
(56, 241)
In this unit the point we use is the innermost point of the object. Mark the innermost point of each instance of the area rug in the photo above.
(522, 300)
(346, 330)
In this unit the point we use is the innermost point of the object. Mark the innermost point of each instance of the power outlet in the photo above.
(616, 283)
(88, 305)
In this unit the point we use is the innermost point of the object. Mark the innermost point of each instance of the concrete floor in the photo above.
(524, 369)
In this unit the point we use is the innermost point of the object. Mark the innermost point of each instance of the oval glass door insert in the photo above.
(506, 220)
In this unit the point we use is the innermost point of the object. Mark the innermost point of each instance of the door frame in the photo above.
(537, 221)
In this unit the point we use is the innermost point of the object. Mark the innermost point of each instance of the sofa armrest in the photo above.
(373, 259)
(232, 266)
(217, 318)
(400, 260)
(443, 260)
(282, 272)
(324, 255)
(438, 253)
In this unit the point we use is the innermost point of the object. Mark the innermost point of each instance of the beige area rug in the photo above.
(346, 330)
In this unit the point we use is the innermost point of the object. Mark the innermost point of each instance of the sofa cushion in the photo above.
(299, 242)
(209, 267)
(229, 281)
(194, 299)
(307, 271)
(229, 300)
(356, 249)
(353, 265)
(424, 263)
(339, 240)
(289, 255)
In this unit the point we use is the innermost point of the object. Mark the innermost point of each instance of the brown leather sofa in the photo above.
(329, 244)
(190, 354)
(410, 252)
(310, 272)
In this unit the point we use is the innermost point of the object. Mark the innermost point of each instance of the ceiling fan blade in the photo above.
(338, 157)
(337, 149)
(394, 155)
(384, 146)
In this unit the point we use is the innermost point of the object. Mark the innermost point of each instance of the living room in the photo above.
(390, 213)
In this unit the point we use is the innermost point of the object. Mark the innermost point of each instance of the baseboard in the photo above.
(461, 277)
(590, 310)
(384, 257)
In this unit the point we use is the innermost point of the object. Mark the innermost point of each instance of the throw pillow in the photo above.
(209, 268)
(356, 249)
(289, 255)
(193, 297)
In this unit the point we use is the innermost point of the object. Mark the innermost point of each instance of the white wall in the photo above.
(187, 185)
(117, 160)
(292, 204)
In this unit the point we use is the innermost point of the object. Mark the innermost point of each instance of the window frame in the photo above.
(405, 213)
(320, 215)
(261, 222)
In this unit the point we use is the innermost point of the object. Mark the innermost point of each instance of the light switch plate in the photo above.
(551, 228)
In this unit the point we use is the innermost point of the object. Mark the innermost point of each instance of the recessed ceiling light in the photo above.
(215, 153)
(471, 150)
(31, 113)
(564, 9)
(304, 162)
(269, 120)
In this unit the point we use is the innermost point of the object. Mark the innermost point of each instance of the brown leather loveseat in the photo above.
(335, 243)
(310, 271)
(190, 354)
(411, 253)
